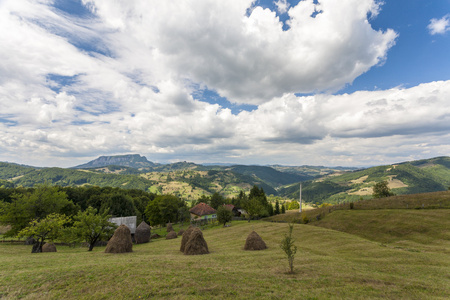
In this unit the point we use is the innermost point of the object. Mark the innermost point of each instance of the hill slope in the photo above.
(329, 265)
(421, 176)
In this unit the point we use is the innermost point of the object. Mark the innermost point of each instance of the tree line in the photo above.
(23, 208)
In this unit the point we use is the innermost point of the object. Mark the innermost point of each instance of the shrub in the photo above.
(305, 219)
(287, 245)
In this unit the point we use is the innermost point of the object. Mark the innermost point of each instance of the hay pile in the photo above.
(143, 233)
(181, 232)
(254, 242)
(120, 241)
(49, 247)
(155, 236)
(171, 235)
(196, 244)
(169, 227)
(185, 237)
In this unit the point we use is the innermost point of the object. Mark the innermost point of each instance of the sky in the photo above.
(310, 82)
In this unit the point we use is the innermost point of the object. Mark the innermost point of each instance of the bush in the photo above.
(287, 245)
(305, 219)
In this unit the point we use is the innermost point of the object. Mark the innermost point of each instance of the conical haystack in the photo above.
(171, 235)
(49, 247)
(143, 233)
(181, 232)
(254, 242)
(196, 244)
(121, 241)
(185, 237)
(169, 227)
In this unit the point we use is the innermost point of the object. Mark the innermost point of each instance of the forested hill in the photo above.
(191, 181)
(428, 175)
(184, 179)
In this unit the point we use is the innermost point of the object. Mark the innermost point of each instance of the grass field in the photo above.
(329, 265)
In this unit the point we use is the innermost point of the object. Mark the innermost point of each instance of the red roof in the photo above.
(202, 209)
(230, 207)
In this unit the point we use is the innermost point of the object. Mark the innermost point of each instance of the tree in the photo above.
(239, 200)
(34, 204)
(294, 205)
(277, 207)
(216, 200)
(256, 204)
(381, 190)
(48, 228)
(152, 213)
(164, 209)
(283, 208)
(119, 205)
(253, 207)
(91, 227)
(224, 215)
(287, 245)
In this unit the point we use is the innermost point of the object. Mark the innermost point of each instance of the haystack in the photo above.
(171, 235)
(254, 242)
(49, 247)
(169, 227)
(196, 244)
(143, 233)
(155, 236)
(181, 232)
(185, 237)
(120, 241)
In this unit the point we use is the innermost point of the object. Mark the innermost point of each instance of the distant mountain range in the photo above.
(190, 180)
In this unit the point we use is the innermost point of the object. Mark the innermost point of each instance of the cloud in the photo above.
(63, 102)
(249, 59)
(282, 6)
(439, 26)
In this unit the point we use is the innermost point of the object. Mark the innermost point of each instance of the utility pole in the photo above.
(300, 210)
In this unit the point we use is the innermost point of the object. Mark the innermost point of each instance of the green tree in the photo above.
(48, 228)
(277, 207)
(287, 245)
(256, 204)
(239, 200)
(253, 207)
(152, 212)
(119, 205)
(294, 205)
(381, 190)
(216, 200)
(164, 209)
(91, 227)
(168, 208)
(283, 208)
(224, 215)
(34, 204)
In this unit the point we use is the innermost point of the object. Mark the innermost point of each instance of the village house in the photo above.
(203, 211)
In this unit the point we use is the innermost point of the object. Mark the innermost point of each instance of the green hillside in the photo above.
(405, 178)
(188, 184)
(329, 264)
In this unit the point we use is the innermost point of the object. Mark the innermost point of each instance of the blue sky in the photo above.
(352, 83)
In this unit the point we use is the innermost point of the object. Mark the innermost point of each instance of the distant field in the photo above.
(329, 265)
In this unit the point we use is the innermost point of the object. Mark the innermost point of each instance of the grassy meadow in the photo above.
(329, 264)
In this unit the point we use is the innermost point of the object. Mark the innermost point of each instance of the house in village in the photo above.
(234, 210)
(203, 211)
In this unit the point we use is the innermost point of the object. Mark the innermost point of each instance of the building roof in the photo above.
(230, 207)
(202, 209)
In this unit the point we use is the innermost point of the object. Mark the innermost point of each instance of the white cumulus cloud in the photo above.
(439, 26)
